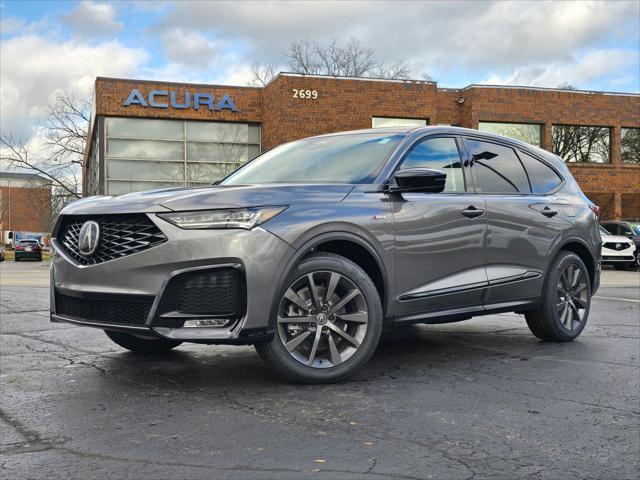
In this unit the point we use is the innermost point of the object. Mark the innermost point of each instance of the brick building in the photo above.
(150, 134)
(25, 204)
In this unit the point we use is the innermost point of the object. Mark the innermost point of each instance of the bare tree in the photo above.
(630, 145)
(349, 59)
(580, 144)
(65, 128)
(261, 74)
(63, 136)
(567, 86)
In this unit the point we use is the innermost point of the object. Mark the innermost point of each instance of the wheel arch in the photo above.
(347, 244)
(580, 248)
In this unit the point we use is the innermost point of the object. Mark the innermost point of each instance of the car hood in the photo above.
(214, 196)
(615, 239)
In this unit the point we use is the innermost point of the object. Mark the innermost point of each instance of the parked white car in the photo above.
(617, 250)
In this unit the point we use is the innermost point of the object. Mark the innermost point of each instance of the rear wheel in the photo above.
(141, 343)
(329, 321)
(566, 299)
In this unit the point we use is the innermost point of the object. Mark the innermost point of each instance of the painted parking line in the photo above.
(619, 299)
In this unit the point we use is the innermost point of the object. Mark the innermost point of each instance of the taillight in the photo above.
(18, 248)
(595, 209)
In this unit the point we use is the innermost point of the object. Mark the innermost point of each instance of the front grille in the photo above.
(120, 235)
(129, 312)
(616, 246)
(216, 292)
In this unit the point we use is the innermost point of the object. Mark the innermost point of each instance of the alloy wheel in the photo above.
(572, 297)
(322, 319)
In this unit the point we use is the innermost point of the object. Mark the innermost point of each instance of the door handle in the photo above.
(473, 212)
(549, 212)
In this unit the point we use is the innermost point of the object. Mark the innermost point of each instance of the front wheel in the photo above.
(329, 321)
(566, 299)
(141, 343)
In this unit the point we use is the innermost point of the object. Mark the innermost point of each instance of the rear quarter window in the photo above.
(543, 178)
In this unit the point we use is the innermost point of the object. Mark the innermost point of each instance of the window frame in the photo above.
(610, 128)
(426, 121)
(517, 149)
(461, 155)
(622, 127)
(500, 144)
(545, 163)
(540, 126)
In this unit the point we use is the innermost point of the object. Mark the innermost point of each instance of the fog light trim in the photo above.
(207, 323)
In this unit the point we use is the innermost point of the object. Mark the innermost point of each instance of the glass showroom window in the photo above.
(142, 154)
(578, 144)
(379, 122)
(630, 145)
(526, 132)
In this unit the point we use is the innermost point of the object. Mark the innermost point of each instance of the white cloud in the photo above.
(190, 49)
(592, 66)
(445, 36)
(92, 19)
(34, 68)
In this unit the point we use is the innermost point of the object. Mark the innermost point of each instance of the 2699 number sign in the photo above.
(305, 93)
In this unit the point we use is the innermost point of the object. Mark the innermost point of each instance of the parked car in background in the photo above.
(628, 229)
(309, 249)
(1, 254)
(28, 249)
(617, 250)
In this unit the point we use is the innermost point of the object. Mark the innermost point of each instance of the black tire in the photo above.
(140, 343)
(545, 322)
(16, 259)
(350, 274)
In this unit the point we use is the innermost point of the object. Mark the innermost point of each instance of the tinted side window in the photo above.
(624, 230)
(496, 169)
(543, 178)
(438, 154)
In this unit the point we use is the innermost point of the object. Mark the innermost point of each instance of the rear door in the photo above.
(438, 236)
(523, 221)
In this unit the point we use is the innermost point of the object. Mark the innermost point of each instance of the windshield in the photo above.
(603, 231)
(635, 227)
(353, 158)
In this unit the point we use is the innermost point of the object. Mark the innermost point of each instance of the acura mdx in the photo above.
(309, 250)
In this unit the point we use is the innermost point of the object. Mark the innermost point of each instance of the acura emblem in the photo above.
(618, 246)
(89, 238)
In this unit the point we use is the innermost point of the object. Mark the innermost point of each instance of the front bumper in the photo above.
(610, 256)
(148, 277)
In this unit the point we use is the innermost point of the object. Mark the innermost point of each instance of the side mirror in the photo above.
(424, 180)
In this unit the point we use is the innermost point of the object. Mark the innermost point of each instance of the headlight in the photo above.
(246, 218)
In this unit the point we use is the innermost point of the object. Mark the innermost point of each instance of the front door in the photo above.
(439, 237)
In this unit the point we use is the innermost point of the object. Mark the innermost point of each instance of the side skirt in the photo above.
(458, 314)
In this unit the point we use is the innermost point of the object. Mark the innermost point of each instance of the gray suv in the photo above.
(309, 250)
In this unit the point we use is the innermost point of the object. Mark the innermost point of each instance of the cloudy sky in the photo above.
(49, 46)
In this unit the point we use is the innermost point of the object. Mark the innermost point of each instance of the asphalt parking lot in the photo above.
(476, 399)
